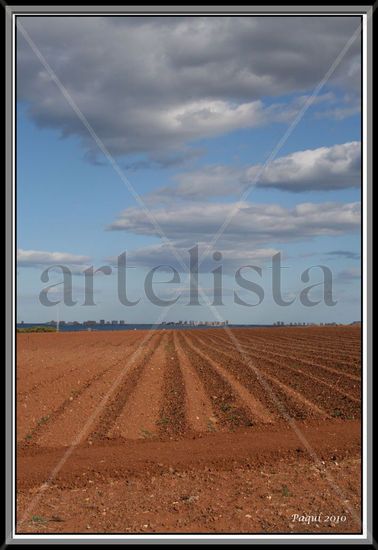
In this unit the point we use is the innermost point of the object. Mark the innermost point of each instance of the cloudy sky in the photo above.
(152, 135)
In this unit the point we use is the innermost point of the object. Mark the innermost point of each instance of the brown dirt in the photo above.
(172, 421)
(140, 414)
(198, 405)
(187, 433)
(320, 396)
(257, 411)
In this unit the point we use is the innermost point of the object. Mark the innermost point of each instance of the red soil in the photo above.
(189, 431)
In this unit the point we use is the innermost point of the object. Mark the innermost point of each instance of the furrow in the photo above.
(140, 415)
(352, 383)
(229, 411)
(280, 392)
(199, 410)
(129, 377)
(257, 410)
(172, 422)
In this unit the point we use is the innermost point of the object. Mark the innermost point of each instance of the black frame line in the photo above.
(14, 266)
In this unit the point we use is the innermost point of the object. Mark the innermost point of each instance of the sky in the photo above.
(154, 135)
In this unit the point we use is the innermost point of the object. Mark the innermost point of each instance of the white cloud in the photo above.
(321, 169)
(153, 85)
(347, 254)
(349, 275)
(325, 168)
(249, 223)
(38, 258)
(176, 255)
(255, 233)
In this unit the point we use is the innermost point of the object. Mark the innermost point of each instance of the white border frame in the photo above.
(331, 538)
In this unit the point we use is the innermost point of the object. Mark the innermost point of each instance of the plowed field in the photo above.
(195, 431)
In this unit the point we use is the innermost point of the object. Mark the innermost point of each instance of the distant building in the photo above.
(89, 323)
(102, 321)
(122, 322)
(114, 322)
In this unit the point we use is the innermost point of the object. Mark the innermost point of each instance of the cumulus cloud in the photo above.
(349, 275)
(325, 168)
(254, 235)
(44, 259)
(39, 257)
(156, 84)
(321, 169)
(340, 113)
(176, 255)
(254, 223)
(348, 254)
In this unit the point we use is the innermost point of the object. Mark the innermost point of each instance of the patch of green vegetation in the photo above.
(232, 417)
(285, 491)
(36, 329)
(336, 413)
(210, 426)
(146, 433)
(28, 437)
(43, 420)
(225, 407)
(163, 421)
(38, 519)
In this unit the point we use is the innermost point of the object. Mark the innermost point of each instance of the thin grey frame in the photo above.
(11, 11)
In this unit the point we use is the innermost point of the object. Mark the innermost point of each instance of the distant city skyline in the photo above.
(190, 323)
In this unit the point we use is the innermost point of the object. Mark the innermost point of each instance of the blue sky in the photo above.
(190, 109)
